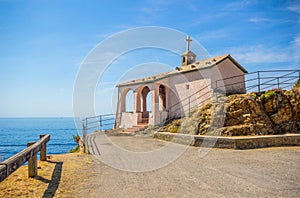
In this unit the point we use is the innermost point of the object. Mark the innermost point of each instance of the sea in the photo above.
(16, 132)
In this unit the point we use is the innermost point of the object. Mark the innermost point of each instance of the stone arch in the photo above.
(129, 101)
(144, 93)
(162, 98)
(143, 97)
(122, 99)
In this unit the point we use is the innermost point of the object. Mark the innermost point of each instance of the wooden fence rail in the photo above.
(29, 154)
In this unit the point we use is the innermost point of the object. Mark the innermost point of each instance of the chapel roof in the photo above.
(198, 65)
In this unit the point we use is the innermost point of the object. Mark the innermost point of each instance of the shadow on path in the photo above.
(55, 180)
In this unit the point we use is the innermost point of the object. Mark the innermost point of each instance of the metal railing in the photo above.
(98, 123)
(259, 81)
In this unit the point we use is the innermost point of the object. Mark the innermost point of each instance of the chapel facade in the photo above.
(174, 93)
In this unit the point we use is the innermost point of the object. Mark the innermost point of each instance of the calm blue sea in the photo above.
(16, 132)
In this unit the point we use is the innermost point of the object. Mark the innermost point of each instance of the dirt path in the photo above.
(221, 173)
(239, 173)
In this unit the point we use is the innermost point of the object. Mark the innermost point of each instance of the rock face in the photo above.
(269, 113)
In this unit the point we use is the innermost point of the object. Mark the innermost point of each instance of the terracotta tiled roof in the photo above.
(198, 65)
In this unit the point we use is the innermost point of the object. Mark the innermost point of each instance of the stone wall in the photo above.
(245, 142)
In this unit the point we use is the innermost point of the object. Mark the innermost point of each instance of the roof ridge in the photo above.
(200, 64)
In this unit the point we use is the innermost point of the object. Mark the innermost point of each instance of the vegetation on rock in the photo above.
(268, 95)
(297, 84)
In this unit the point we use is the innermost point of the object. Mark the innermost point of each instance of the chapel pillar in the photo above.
(137, 102)
(122, 98)
(155, 104)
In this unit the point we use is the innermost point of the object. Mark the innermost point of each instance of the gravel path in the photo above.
(221, 173)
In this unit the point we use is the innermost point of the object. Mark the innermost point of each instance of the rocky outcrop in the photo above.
(269, 113)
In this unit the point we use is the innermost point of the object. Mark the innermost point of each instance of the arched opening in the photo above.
(144, 98)
(146, 104)
(129, 99)
(162, 98)
(149, 102)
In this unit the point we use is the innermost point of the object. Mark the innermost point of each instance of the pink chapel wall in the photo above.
(185, 85)
(179, 88)
(233, 77)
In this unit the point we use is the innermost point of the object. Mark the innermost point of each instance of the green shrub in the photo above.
(74, 150)
(268, 95)
(297, 84)
(174, 129)
(76, 138)
(253, 95)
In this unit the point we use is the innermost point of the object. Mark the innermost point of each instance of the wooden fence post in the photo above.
(32, 163)
(43, 151)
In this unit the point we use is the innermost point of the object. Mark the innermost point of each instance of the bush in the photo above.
(297, 84)
(74, 150)
(268, 95)
(174, 129)
(253, 95)
(76, 138)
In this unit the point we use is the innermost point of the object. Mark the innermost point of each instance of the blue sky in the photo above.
(42, 43)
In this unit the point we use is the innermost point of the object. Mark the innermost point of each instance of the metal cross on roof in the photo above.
(188, 40)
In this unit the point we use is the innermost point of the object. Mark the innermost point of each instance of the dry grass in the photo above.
(60, 176)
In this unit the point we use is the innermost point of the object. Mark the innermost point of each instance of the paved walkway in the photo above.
(221, 173)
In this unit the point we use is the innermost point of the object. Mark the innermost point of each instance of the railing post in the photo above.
(83, 130)
(277, 82)
(258, 80)
(86, 128)
(189, 106)
(100, 126)
(32, 163)
(43, 151)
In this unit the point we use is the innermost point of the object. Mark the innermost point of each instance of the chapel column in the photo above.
(122, 98)
(155, 104)
(137, 102)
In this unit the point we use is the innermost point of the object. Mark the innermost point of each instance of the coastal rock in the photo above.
(273, 112)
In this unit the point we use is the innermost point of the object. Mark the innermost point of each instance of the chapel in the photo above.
(176, 93)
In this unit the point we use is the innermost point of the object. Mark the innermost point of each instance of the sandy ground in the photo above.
(270, 172)
(61, 175)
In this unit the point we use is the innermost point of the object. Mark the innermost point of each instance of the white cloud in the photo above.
(239, 4)
(95, 59)
(150, 11)
(213, 35)
(208, 18)
(297, 40)
(104, 35)
(123, 27)
(262, 54)
(296, 49)
(294, 8)
(258, 20)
